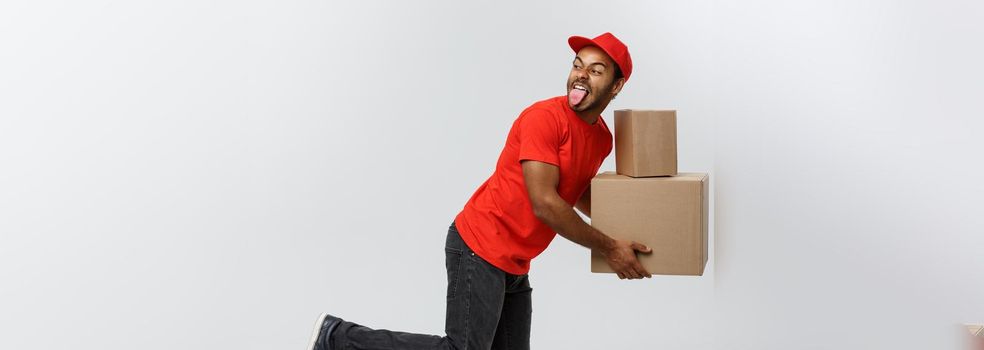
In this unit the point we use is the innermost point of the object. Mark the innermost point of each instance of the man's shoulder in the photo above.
(552, 103)
(550, 106)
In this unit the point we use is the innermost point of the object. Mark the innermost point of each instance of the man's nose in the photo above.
(581, 74)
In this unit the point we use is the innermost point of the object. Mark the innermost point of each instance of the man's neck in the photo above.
(591, 116)
(588, 118)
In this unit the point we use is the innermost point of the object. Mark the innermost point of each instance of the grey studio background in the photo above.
(214, 174)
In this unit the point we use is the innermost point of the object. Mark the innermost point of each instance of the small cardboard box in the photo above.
(668, 214)
(645, 143)
(976, 329)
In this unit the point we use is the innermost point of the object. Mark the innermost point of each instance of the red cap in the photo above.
(611, 45)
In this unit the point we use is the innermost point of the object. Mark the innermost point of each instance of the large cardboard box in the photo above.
(668, 214)
(645, 143)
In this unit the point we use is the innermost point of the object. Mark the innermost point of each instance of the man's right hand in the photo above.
(621, 256)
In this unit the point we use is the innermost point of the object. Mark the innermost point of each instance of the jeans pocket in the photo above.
(453, 261)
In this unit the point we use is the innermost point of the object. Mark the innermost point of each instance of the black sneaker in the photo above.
(322, 331)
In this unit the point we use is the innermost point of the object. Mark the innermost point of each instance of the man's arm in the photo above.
(541, 184)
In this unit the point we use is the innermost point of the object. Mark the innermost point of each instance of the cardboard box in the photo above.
(645, 143)
(668, 214)
(976, 329)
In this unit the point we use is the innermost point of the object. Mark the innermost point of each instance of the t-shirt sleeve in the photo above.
(540, 137)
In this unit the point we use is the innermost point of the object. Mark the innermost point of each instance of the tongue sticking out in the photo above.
(575, 96)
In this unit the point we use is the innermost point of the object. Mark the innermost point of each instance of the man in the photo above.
(544, 171)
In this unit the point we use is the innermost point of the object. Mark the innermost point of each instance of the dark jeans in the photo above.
(487, 309)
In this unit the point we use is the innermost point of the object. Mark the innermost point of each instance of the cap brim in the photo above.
(579, 42)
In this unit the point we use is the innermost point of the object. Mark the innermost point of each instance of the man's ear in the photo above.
(617, 86)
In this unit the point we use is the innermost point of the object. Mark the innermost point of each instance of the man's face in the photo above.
(593, 72)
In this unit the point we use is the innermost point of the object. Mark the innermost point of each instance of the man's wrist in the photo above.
(607, 244)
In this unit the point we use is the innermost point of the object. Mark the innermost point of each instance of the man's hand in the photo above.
(621, 256)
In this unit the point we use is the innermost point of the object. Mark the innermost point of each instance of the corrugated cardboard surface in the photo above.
(645, 142)
(668, 214)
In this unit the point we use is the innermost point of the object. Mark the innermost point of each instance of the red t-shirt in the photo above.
(498, 222)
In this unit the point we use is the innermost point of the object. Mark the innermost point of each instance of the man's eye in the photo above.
(595, 72)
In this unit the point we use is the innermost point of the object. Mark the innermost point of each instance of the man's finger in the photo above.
(631, 273)
(642, 271)
(641, 247)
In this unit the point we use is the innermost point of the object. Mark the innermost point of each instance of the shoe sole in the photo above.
(317, 330)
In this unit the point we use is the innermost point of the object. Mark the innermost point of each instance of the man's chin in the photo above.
(580, 107)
